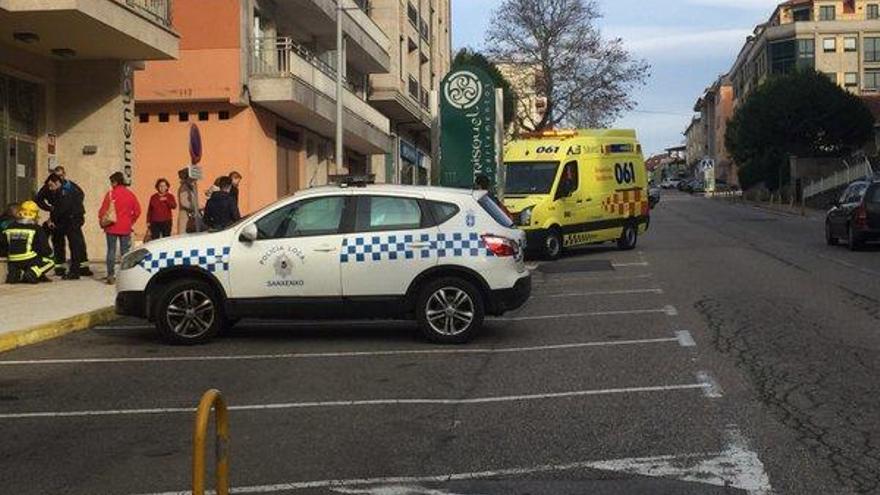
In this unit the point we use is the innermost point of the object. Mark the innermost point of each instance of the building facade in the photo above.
(258, 78)
(421, 53)
(695, 138)
(67, 70)
(531, 103)
(716, 109)
(839, 38)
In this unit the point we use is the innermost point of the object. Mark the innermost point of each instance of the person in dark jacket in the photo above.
(27, 247)
(221, 210)
(46, 198)
(67, 218)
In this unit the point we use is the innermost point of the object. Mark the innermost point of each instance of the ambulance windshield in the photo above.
(530, 177)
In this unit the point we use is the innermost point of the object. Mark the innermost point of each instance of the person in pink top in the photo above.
(118, 229)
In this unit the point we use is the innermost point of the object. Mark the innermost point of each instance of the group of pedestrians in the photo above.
(27, 245)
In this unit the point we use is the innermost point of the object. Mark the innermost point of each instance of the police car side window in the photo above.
(442, 212)
(321, 216)
(384, 213)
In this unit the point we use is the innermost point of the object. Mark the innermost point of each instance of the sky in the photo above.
(688, 44)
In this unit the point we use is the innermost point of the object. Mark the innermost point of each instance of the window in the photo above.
(829, 45)
(530, 177)
(183, 116)
(495, 211)
(832, 76)
(802, 15)
(872, 79)
(873, 11)
(203, 116)
(827, 13)
(378, 213)
(143, 118)
(856, 192)
(849, 6)
(223, 115)
(163, 117)
(413, 15)
(570, 177)
(785, 56)
(321, 216)
(850, 79)
(442, 212)
(849, 44)
(872, 49)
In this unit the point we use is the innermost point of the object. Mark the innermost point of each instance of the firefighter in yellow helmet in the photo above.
(27, 247)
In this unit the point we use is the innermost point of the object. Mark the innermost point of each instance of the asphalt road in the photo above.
(732, 352)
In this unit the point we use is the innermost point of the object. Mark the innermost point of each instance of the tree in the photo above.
(586, 79)
(803, 114)
(467, 56)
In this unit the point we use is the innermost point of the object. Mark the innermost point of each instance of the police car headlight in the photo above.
(525, 216)
(134, 258)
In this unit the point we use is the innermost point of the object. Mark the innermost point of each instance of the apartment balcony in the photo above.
(91, 29)
(290, 81)
(368, 47)
(407, 105)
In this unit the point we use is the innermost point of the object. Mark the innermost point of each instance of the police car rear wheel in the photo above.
(188, 313)
(450, 311)
(553, 245)
(628, 238)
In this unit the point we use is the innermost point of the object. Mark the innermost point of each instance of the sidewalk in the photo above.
(33, 313)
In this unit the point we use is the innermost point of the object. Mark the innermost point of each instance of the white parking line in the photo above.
(588, 278)
(736, 466)
(668, 310)
(685, 339)
(359, 403)
(711, 388)
(353, 354)
(600, 293)
(627, 265)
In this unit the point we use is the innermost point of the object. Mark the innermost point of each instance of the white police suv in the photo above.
(444, 257)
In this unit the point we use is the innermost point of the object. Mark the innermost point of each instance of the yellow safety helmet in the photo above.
(29, 211)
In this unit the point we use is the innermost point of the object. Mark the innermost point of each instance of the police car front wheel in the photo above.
(188, 313)
(450, 311)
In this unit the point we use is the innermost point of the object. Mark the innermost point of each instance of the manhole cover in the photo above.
(577, 266)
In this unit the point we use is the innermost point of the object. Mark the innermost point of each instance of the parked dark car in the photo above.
(653, 195)
(855, 217)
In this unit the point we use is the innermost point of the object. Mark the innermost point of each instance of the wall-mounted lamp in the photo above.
(90, 149)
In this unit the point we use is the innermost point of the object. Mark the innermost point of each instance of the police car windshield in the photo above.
(530, 177)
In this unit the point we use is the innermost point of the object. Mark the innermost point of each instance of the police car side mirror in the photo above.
(248, 234)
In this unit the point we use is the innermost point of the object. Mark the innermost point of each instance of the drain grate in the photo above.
(577, 266)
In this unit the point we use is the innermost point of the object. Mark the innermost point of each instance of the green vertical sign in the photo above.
(467, 127)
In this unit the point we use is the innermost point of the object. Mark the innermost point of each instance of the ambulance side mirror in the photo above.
(248, 234)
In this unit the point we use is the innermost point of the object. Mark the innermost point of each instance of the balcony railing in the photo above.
(273, 57)
(158, 11)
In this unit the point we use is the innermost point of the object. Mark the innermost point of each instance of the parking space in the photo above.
(594, 385)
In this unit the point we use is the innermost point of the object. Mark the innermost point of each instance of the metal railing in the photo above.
(839, 178)
(274, 57)
(158, 11)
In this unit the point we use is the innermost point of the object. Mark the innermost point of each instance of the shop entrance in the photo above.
(18, 138)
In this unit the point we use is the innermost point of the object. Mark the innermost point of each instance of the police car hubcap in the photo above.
(190, 313)
(450, 311)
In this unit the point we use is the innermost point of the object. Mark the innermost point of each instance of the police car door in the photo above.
(296, 253)
(392, 243)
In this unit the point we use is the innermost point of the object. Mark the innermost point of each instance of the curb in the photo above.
(55, 329)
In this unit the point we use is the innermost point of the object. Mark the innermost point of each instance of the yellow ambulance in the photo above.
(572, 188)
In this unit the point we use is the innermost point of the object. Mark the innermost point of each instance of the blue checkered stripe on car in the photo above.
(211, 259)
(398, 247)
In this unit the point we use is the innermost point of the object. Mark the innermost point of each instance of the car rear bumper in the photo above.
(131, 303)
(503, 300)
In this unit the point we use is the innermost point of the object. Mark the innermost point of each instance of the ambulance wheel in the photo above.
(628, 238)
(449, 310)
(188, 313)
(553, 244)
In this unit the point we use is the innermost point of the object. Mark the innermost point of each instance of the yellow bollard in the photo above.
(212, 399)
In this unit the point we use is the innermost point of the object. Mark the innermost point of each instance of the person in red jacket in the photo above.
(159, 212)
(118, 223)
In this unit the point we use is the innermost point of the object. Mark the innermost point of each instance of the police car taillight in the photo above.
(501, 246)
